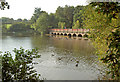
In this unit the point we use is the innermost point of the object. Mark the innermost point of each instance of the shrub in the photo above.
(20, 68)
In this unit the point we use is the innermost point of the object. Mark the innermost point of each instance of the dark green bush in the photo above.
(20, 68)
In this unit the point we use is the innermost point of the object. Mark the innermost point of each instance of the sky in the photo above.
(25, 8)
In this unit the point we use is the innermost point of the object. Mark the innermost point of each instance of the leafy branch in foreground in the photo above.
(111, 9)
(3, 5)
(20, 68)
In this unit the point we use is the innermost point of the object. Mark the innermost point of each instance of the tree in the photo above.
(53, 21)
(6, 20)
(112, 58)
(37, 12)
(65, 15)
(105, 35)
(79, 10)
(25, 20)
(42, 23)
(111, 9)
(60, 14)
(20, 28)
(68, 13)
(77, 25)
(4, 28)
(19, 20)
(61, 25)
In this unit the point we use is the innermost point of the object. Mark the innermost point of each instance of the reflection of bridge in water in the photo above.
(70, 32)
(69, 38)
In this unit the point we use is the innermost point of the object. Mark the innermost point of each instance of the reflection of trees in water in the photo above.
(65, 46)
(74, 45)
(40, 41)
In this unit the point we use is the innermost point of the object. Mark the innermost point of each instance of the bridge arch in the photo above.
(74, 35)
(69, 35)
(65, 34)
(86, 35)
(79, 35)
(61, 34)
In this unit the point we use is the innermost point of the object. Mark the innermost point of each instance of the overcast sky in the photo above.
(25, 8)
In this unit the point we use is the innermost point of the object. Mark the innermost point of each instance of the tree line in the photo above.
(41, 21)
(9, 25)
(64, 17)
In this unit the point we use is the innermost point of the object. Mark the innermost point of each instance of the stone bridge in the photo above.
(70, 32)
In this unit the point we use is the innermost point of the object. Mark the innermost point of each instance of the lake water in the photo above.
(59, 56)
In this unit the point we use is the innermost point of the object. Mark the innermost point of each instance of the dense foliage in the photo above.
(6, 20)
(20, 68)
(65, 15)
(109, 8)
(36, 14)
(112, 57)
(105, 34)
(79, 10)
(42, 23)
(20, 27)
(76, 25)
(61, 25)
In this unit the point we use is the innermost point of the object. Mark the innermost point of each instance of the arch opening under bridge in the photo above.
(79, 35)
(65, 34)
(86, 35)
(61, 34)
(69, 35)
(74, 35)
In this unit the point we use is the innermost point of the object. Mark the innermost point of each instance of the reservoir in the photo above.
(62, 58)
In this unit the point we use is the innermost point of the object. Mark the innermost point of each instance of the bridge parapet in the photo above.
(70, 30)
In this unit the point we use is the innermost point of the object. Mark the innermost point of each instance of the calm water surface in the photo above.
(59, 56)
